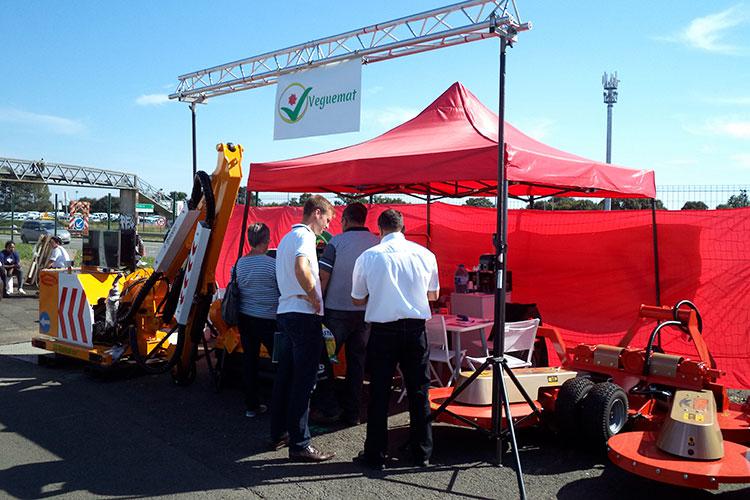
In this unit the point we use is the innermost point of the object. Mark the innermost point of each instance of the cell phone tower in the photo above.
(609, 82)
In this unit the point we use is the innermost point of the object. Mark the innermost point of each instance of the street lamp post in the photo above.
(609, 82)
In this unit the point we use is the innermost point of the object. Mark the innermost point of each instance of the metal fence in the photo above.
(673, 197)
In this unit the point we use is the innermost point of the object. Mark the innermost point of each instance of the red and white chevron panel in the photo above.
(192, 273)
(74, 314)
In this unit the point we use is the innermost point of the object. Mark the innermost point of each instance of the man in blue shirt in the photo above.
(345, 320)
(11, 266)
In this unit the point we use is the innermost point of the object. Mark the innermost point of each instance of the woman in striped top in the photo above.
(259, 298)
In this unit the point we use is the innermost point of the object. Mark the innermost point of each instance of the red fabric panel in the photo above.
(452, 146)
(589, 271)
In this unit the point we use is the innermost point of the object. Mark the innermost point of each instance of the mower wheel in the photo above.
(604, 413)
(568, 404)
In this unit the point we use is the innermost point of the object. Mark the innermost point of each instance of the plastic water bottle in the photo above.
(461, 279)
(330, 343)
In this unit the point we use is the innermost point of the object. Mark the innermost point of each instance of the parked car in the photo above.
(31, 230)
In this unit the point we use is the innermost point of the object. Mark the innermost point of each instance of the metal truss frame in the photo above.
(44, 172)
(456, 24)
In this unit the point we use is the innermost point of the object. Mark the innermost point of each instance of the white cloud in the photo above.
(742, 159)
(709, 32)
(681, 162)
(731, 101)
(56, 124)
(733, 128)
(538, 128)
(727, 127)
(374, 90)
(152, 99)
(388, 117)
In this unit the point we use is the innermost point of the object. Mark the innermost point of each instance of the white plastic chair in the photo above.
(519, 336)
(437, 342)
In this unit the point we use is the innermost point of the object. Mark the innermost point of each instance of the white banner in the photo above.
(318, 102)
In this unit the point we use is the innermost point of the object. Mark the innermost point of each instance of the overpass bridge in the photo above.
(132, 188)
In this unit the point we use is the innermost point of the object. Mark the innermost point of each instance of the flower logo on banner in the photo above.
(298, 105)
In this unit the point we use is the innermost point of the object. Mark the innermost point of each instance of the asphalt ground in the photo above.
(65, 431)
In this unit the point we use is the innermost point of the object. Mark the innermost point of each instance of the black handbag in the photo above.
(230, 304)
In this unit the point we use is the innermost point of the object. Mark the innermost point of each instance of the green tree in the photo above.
(102, 204)
(565, 204)
(694, 205)
(479, 202)
(736, 201)
(178, 195)
(26, 196)
(376, 199)
(634, 204)
(298, 202)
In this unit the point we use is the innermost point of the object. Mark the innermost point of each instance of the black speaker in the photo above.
(101, 249)
(127, 248)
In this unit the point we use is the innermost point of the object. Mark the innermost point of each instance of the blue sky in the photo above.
(85, 82)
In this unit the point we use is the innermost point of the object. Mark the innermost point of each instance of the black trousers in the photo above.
(300, 344)
(402, 342)
(350, 330)
(5, 274)
(253, 331)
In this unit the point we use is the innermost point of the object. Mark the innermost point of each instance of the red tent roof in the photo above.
(451, 148)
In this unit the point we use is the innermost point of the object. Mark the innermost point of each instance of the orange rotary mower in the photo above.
(681, 426)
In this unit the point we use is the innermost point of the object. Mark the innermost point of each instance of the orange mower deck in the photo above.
(637, 453)
(480, 415)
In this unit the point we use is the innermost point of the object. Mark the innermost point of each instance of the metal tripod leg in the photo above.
(511, 428)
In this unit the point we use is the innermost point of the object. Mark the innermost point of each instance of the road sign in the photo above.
(44, 322)
(145, 208)
(78, 224)
(161, 221)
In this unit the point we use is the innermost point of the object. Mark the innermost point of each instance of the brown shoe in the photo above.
(277, 444)
(309, 454)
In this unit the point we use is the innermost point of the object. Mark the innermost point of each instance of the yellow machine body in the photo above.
(66, 316)
(68, 298)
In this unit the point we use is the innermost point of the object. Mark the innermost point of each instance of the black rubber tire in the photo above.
(568, 405)
(23, 239)
(604, 413)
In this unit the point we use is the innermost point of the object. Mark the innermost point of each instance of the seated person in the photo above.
(11, 266)
(59, 257)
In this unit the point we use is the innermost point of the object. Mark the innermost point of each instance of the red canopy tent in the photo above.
(450, 149)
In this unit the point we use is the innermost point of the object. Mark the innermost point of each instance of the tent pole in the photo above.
(429, 233)
(655, 240)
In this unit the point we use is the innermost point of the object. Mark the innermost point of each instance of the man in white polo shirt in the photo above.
(396, 279)
(299, 317)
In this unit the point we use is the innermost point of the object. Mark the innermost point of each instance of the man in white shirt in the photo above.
(58, 257)
(396, 280)
(299, 317)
